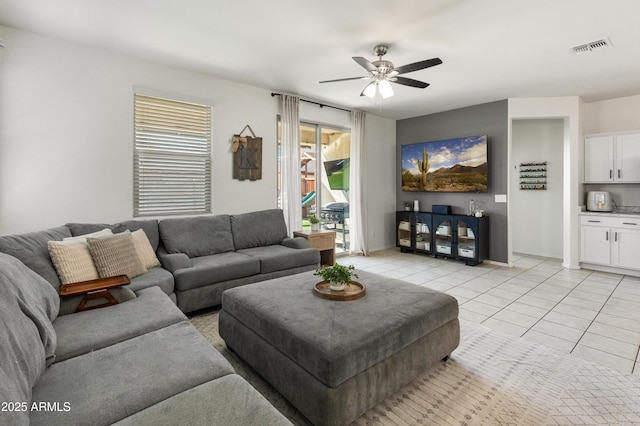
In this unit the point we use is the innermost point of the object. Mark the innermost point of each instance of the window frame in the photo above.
(172, 154)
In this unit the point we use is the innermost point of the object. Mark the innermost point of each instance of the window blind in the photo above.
(172, 157)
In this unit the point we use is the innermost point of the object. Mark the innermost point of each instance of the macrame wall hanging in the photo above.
(247, 156)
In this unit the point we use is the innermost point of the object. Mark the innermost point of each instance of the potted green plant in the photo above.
(337, 276)
(315, 222)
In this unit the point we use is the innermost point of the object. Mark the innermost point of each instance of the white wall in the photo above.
(66, 132)
(66, 128)
(380, 185)
(613, 115)
(536, 216)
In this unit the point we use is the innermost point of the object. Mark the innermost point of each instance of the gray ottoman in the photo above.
(334, 360)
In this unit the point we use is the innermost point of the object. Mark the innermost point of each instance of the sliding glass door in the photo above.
(324, 174)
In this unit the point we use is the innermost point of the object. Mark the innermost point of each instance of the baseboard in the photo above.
(495, 262)
(610, 269)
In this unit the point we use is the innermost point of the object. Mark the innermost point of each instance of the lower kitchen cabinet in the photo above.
(610, 241)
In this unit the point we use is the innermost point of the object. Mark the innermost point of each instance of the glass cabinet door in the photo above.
(404, 229)
(423, 232)
(444, 235)
(466, 238)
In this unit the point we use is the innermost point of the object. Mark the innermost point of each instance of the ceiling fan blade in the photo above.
(410, 82)
(344, 79)
(418, 65)
(365, 64)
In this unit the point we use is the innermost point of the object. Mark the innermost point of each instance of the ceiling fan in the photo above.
(382, 73)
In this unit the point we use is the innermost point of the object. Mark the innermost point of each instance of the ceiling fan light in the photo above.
(385, 89)
(370, 90)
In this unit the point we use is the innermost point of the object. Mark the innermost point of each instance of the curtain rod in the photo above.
(315, 103)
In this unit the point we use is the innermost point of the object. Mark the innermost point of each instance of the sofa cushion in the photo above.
(77, 229)
(37, 299)
(115, 255)
(95, 329)
(216, 268)
(197, 236)
(32, 250)
(22, 357)
(279, 258)
(69, 304)
(145, 251)
(156, 276)
(150, 228)
(228, 401)
(109, 384)
(83, 237)
(256, 229)
(173, 261)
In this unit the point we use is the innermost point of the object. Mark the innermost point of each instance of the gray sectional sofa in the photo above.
(139, 361)
(200, 256)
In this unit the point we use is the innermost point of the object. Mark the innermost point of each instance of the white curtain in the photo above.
(358, 243)
(290, 185)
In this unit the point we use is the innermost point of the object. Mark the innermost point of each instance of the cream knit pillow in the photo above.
(115, 255)
(72, 261)
(145, 251)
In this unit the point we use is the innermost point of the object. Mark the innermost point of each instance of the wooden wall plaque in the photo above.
(247, 156)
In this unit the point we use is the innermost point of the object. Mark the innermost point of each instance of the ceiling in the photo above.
(491, 49)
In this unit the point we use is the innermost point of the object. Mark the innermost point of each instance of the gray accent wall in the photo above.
(489, 119)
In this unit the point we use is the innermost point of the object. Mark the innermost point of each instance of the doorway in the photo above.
(537, 214)
(324, 173)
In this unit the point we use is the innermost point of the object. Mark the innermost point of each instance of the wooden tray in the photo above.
(352, 292)
(93, 285)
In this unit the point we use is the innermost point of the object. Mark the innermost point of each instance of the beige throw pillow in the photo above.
(115, 255)
(145, 251)
(72, 261)
(84, 237)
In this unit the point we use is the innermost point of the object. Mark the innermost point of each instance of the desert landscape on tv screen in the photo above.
(452, 165)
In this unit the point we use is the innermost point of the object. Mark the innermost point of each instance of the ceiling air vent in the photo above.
(588, 47)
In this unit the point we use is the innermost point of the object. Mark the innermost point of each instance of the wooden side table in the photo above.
(94, 289)
(324, 241)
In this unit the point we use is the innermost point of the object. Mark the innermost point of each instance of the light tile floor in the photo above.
(591, 315)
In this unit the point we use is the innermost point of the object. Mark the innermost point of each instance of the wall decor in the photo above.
(247, 156)
(533, 175)
(452, 165)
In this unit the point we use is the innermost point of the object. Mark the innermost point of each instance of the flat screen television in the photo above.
(451, 165)
(338, 173)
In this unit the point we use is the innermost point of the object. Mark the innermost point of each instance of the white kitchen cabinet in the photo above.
(595, 246)
(626, 247)
(598, 159)
(627, 158)
(610, 241)
(612, 158)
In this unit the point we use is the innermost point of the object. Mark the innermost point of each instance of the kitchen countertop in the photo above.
(622, 211)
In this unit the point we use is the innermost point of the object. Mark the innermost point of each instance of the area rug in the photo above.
(491, 379)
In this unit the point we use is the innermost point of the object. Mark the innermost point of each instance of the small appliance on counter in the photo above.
(599, 201)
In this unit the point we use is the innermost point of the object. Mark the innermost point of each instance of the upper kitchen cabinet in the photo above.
(628, 158)
(612, 158)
